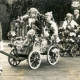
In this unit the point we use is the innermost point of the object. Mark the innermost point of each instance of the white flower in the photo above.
(13, 33)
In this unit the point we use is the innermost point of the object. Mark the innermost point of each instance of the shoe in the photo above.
(1, 70)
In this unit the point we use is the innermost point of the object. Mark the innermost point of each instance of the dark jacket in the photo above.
(77, 20)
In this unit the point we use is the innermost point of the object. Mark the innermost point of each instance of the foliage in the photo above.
(5, 30)
(58, 7)
(18, 8)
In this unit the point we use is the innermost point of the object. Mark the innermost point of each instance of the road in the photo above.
(68, 68)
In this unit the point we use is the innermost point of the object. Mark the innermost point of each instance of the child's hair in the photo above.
(33, 11)
(69, 15)
(49, 14)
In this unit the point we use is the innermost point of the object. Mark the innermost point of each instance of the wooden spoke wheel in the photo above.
(74, 51)
(13, 62)
(62, 48)
(62, 54)
(53, 55)
(34, 59)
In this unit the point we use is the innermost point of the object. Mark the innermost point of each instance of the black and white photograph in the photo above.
(39, 39)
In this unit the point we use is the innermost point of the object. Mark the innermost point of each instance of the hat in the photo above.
(49, 14)
(33, 10)
(76, 10)
(69, 15)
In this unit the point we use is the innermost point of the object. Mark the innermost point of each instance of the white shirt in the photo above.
(77, 16)
(55, 28)
(31, 20)
(72, 24)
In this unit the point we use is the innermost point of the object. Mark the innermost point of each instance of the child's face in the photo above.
(47, 18)
(69, 18)
(75, 12)
(33, 15)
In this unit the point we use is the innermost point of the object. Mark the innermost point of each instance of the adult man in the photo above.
(77, 16)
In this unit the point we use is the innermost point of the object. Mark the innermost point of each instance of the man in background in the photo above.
(77, 16)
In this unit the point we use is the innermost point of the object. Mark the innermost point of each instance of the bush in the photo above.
(5, 30)
(58, 7)
(18, 8)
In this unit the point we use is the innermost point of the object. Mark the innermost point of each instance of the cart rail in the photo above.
(9, 55)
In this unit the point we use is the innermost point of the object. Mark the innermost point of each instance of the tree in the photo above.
(4, 17)
(58, 7)
(18, 8)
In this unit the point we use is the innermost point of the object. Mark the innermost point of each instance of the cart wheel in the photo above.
(12, 61)
(53, 55)
(74, 52)
(34, 59)
(62, 54)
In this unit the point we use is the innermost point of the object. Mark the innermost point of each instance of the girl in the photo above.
(69, 22)
(50, 28)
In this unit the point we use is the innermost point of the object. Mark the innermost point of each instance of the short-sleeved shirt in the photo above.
(69, 25)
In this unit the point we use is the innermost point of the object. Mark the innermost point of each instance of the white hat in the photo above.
(76, 10)
(49, 14)
(69, 15)
(33, 10)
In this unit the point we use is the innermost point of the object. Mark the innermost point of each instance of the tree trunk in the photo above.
(1, 42)
(0, 32)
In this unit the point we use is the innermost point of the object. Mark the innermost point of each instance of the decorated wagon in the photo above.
(37, 42)
(32, 51)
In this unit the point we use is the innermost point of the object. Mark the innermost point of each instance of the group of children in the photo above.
(40, 25)
(44, 25)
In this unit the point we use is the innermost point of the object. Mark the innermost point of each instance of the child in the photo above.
(50, 30)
